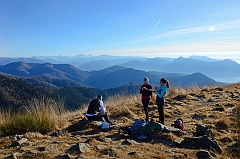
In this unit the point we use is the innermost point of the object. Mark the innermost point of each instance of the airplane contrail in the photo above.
(156, 25)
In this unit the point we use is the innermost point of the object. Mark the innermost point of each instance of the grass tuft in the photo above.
(40, 116)
(223, 124)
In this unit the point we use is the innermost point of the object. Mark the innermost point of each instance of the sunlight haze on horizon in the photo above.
(154, 28)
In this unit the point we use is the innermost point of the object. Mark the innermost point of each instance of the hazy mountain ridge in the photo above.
(54, 71)
(205, 65)
(223, 68)
(60, 75)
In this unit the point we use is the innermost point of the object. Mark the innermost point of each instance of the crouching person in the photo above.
(96, 111)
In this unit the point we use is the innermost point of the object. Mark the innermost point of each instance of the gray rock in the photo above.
(201, 142)
(175, 131)
(104, 139)
(57, 133)
(203, 154)
(197, 116)
(100, 147)
(81, 157)
(14, 137)
(32, 152)
(112, 151)
(148, 129)
(19, 142)
(12, 156)
(52, 147)
(151, 129)
(129, 142)
(202, 130)
(79, 148)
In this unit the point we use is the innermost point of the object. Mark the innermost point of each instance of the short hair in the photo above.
(146, 79)
(99, 96)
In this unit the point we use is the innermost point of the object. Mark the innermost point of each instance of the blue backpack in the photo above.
(135, 125)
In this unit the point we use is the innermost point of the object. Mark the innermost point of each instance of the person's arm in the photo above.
(151, 90)
(102, 107)
(162, 92)
(141, 90)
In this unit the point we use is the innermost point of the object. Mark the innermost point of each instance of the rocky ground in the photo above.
(215, 107)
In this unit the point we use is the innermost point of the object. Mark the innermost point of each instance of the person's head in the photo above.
(145, 80)
(164, 81)
(99, 97)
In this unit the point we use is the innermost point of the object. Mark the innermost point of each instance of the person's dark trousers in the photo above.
(104, 115)
(99, 117)
(145, 103)
(161, 113)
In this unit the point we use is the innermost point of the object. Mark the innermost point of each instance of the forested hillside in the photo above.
(17, 93)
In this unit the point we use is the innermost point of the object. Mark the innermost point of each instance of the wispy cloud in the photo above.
(156, 25)
(213, 27)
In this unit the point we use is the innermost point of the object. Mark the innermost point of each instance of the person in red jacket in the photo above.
(146, 91)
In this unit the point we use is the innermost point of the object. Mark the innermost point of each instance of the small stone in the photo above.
(56, 133)
(112, 151)
(129, 142)
(203, 154)
(100, 148)
(104, 139)
(203, 142)
(41, 148)
(79, 148)
(81, 157)
(197, 116)
(12, 156)
(19, 142)
(132, 153)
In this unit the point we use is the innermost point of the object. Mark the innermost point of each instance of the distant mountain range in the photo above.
(63, 75)
(216, 69)
(47, 74)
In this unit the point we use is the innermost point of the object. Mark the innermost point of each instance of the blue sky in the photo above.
(153, 28)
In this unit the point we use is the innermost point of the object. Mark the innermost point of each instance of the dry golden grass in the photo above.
(223, 124)
(125, 109)
(40, 115)
(122, 105)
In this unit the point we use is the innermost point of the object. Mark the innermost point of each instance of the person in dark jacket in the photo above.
(161, 91)
(146, 91)
(96, 111)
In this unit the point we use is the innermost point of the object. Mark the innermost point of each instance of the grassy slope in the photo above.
(124, 110)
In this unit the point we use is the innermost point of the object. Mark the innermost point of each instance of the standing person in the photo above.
(96, 110)
(161, 91)
(146, 91)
